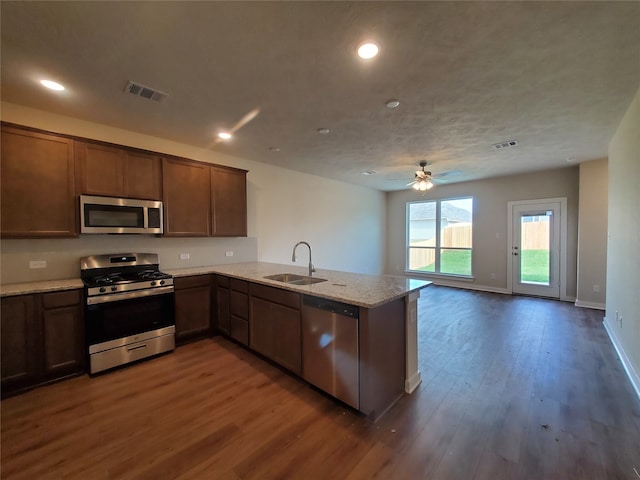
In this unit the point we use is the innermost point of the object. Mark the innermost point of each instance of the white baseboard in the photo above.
(626, 363)
(467, 286)
(596, 305)
(410, 384)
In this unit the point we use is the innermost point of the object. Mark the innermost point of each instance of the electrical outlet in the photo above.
(38, 264)
(228, 253)
(620, 320)
(596, 288)
(184, 256)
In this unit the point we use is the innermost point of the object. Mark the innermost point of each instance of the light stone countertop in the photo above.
(40, 287)
(353, 288)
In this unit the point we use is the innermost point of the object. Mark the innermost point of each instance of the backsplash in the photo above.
(62, 256)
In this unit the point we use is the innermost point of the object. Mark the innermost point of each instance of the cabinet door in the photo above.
(103, 170)
(20, 340)
(261, 327)
(286, 337)
(186, 195)
(63, 334)
(228, 202)
(193, 312)
(37, 185)
(143, 176)
(223, 306)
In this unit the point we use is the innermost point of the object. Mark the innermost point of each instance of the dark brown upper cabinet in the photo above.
(118, 172)
(37, 185)
(186, 197)
(202, 200)
(228, 202)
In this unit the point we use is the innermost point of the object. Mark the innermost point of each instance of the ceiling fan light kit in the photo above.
(422, 181)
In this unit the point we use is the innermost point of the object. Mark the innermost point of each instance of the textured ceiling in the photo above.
(557, 77)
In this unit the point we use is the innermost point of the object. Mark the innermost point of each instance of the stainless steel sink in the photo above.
(294, 279)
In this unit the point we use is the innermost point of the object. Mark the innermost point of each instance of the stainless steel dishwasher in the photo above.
(330, 348)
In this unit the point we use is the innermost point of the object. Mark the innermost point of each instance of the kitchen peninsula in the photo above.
(352, 336)
(386, 324)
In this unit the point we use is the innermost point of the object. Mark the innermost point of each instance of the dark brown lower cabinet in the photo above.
(63, 333)
(193, 307)
(223, 315)
(42, 339)
(274, 326)
(239, 310)
(20, 340)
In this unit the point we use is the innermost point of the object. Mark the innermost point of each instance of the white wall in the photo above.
(623, 245)
(345, 224)
(592, 234)
(490, 199)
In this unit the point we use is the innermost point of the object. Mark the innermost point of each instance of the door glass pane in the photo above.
(534, 248)
(423, 259)
(455, 262)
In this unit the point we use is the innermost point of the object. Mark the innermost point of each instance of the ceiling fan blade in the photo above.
(450, 173)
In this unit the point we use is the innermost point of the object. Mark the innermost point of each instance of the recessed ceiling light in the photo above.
(274, 149)
(224, 135)
(393, 103)
(369, 172)
(570, 159)
(323, 131)
(367, 50)
(50, 84)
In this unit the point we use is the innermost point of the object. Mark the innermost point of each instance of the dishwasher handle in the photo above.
(331, 306)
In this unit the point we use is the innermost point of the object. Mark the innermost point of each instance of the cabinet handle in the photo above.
(136, 348)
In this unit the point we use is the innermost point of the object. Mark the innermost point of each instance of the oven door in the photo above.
(123, 318)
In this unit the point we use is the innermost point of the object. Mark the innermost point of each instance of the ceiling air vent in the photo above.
(145, 92)
(510, 143)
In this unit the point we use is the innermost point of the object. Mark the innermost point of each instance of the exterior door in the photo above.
(536, 248)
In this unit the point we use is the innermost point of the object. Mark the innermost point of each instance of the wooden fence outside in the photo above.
(535, 236)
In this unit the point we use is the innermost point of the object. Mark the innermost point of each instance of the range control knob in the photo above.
(114, 288)
(162, 282)
(102, 289)
(153, 283)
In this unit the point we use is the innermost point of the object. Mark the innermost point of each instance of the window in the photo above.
(439, 235)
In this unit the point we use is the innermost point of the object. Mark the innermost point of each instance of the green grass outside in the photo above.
(534, 266)
(455, 262)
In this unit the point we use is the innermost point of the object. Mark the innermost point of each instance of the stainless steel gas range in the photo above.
(129, 309)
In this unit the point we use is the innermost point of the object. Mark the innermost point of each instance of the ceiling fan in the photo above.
(228, 134)
(423, 179)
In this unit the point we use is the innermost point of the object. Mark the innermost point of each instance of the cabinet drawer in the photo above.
(61, 299)
(222, 281)
(239, 330)
(191, 282)
(239, 285)
(276, 295)
(239, 305)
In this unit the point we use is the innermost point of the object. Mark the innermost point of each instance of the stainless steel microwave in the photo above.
(120, 215)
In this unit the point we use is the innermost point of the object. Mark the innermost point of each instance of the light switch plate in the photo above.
(184, 256)
(38, 264)
(228, 253)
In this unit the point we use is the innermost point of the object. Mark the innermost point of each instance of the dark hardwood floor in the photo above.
(513, 388)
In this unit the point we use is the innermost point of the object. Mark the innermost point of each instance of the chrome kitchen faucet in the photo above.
(293, 257)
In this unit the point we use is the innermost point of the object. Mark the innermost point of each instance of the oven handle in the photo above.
(116, 297)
